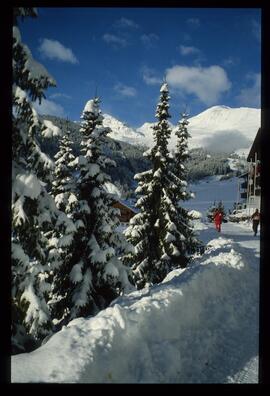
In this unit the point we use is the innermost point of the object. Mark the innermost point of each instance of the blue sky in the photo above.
(208, 57)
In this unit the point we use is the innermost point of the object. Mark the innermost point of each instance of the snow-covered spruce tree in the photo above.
(63, 184)
(186, 241)
(93, 274)
(62, 236)
(160, 233)
(211, 210)
(33, 210)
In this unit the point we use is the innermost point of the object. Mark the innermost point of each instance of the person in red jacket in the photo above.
(218, 219)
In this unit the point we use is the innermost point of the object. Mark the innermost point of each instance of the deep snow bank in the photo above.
(199, 325)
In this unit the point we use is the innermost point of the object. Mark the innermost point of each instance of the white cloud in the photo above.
(256, 29)
(185, 50)
(250, 96)
(59, 95)
(126, 23)
(193, 22)
(149, 40)
(52, 49)
(116, 41)
(207, 83)
(125, 90)
(49, 107)
(150, 76)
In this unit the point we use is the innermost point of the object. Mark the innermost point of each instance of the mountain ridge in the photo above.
(215, 126)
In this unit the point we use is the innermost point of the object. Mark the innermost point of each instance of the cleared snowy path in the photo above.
(199, 326)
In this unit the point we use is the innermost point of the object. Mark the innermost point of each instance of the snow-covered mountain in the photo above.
(121, 131)
(222, 128)
(219, 128)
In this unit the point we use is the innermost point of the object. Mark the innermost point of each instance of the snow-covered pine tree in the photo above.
(210, 211)
(62, 236)
(93, 275)
(33, 210)
(186, 241)
(64, 181)
(150, 231)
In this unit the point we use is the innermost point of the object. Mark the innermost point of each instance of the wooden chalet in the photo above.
(126, 212)
(251, 184)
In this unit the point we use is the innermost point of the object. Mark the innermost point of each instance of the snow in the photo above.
(217, 128)
(27, 185)
(213, 189)
(93, 170)
(19, 94)
(19, 254)
(236, 128)
(80, 160)
(112, 189)
(200, 325)
(35, 69)
(164, 88)
(16, 34)
(72, 198)
(243, 152)
(111, 270)
(91, 107)
(157, 173)
(169, 237)
(19, 213)
(76, 273)
(195, 214)
(121, 131)
(51, 130)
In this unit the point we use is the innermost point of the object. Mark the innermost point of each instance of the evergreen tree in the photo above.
(62, 237)
(64, 181)
(185, 238)
(34, 213)
(157, 233)
(93, 275)
(211, 210)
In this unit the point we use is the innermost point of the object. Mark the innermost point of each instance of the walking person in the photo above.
(218, 219)
(255, 221)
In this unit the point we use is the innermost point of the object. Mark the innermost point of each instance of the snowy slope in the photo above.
(147, 132)
(212, 189)
(200, 325)
(218, 128)
(121, 131)
(223, 127)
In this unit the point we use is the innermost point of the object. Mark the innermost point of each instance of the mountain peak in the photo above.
(216, 128)
(121, 131)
